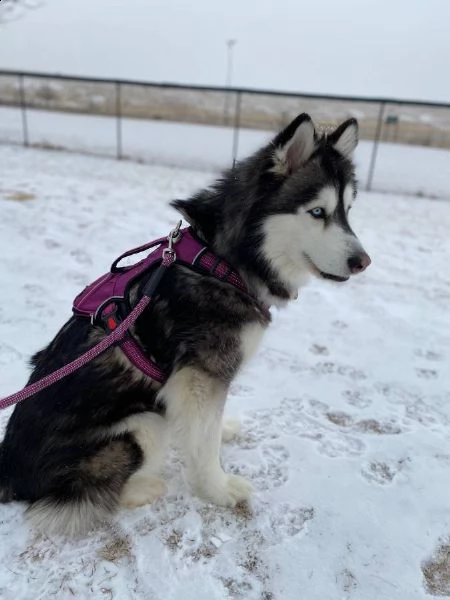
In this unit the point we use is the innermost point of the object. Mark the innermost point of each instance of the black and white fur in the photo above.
(94, 441)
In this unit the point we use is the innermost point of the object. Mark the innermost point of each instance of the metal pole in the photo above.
(237, 125)
(23, 106)
(228, 78)
(376, 142)
(118, 120)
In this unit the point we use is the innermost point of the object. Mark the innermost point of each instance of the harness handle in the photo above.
(116, 269)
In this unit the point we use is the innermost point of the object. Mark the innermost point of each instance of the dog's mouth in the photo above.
(333, 277)
(318, 273)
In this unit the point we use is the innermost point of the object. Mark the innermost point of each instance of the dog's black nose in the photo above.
(358, 262)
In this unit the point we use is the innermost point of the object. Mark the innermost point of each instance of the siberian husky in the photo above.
(94, 441)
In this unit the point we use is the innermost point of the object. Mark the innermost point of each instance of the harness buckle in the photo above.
(110, 317)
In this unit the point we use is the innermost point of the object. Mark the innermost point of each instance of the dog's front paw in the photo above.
(231, 490)
(239, 489)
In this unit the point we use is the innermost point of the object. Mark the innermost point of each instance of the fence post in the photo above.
(23, 106)
(118, 121)
(237, 125)
(376, 142)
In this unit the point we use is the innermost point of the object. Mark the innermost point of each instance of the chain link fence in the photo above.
(209, 127)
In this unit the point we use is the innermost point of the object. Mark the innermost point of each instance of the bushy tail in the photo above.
(71, 518)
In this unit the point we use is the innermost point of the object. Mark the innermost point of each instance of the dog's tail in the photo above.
(72, 517)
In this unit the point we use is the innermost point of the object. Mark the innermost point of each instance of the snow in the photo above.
(345, 410)
(399, 168)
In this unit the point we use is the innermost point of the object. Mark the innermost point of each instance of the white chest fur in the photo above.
(251, 336)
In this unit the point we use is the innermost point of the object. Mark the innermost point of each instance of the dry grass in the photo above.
(373, 426)
(436, 571)
(16, 195)
(116, 549)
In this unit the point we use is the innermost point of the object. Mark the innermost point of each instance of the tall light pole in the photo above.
(228, 78)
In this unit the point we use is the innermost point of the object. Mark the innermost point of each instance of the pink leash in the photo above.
(79, 362)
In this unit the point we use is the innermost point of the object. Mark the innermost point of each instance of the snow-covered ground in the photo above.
(403, 169)
(345, 409)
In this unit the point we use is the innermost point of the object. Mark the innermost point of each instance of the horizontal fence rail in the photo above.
(390, 120)
(235, 90)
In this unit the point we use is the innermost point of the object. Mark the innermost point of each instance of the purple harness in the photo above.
(106, 301)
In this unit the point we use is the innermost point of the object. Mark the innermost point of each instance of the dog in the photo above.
(94, 442)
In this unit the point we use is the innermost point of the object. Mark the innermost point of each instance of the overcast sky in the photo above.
(397, 48)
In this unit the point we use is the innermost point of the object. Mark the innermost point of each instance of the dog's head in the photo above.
(283, 213)
(306, 227)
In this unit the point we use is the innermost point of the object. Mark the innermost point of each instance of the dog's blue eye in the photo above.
(317, 213)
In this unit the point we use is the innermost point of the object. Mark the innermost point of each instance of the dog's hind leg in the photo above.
(144, 486)
(194, 403)
(83, 484)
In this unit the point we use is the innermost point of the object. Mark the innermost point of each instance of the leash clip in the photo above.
(175, 235)
(169, 255)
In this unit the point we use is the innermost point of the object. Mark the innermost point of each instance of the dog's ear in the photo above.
(294, 145)
(184, 207)
(198, 213)
(345, 138)
(193, 212)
